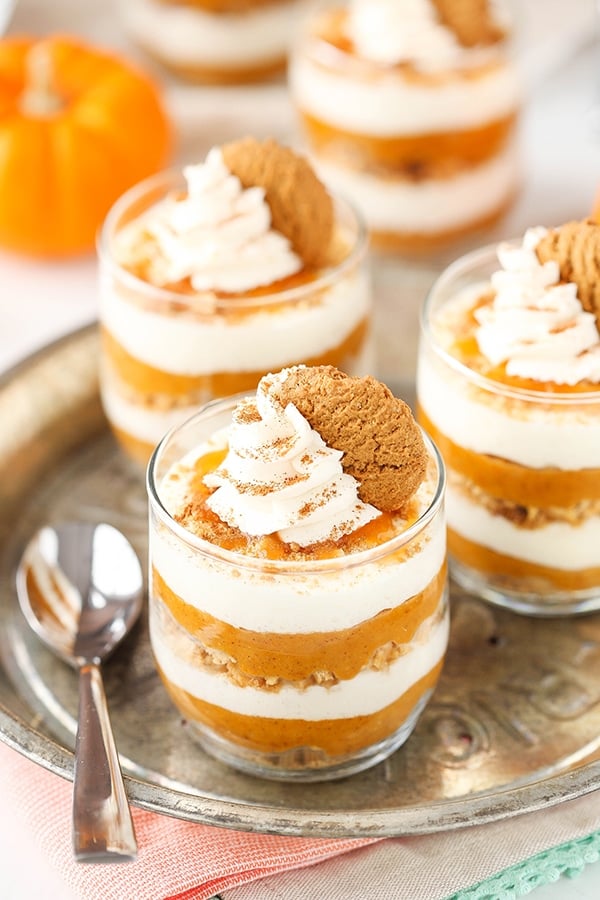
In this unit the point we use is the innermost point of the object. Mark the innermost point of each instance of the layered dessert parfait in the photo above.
(509, 388)
(216, 41)
(242, 265)
(410, 109)
(298, 606)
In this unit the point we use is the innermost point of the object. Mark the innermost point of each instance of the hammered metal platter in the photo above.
(513, 726)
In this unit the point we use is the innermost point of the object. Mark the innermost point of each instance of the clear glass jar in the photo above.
(215, 43)
(164, 354)
(427, 151)
(523, 464)
(295, 670)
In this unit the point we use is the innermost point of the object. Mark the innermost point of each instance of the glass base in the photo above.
(303, 764)
(560, 603)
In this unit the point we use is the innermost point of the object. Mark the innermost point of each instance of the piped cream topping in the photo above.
(391, 32)
(536, 325)
(218, 235)
(280, 477)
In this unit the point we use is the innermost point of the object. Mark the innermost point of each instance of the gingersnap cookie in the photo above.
(382, 444)
(575, 246)
(301, 208)
(471, 21)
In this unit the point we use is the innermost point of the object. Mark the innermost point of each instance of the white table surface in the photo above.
(561, 137)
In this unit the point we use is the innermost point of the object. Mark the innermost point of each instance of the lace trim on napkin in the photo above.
(569, 860)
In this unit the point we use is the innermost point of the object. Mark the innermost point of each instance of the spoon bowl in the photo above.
(80, 588)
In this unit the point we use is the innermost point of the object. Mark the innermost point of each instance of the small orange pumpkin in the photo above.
(78, 126)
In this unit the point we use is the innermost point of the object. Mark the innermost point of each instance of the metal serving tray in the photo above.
(513, 726)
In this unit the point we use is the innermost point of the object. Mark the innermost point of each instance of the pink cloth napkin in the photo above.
(182, 861)
(176, 861)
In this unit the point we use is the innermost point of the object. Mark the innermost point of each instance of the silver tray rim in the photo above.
(475, 809)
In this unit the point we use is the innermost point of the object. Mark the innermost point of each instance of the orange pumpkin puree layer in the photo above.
(412, 155)
(465, 349)
(294, 657)
(231, 306)
(199, 519)
(145, 379)
(526, 575)
(334, 736)
(507, 480)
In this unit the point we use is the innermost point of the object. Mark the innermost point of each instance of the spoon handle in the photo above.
(102, 825)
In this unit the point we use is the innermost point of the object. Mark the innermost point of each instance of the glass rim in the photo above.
(462, 266)
(286, 567)
(170, 178)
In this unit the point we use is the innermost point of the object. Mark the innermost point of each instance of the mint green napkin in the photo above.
(567, 859)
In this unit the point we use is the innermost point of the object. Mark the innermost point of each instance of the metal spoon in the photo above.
(80, 588)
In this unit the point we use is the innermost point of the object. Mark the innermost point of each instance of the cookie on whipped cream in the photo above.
(301, 207)
(410, 110)
(298, 630)
(238, 265)
(471, 21)
(382, 444)
(575, 247)
(509, 390)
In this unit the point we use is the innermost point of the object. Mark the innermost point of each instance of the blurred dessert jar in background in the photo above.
(216, 41)
(509, 388)
(298, 599)
(240, 266)
(410, 110)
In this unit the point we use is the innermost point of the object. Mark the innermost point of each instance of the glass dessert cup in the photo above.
(306, 669)
(523, 467)
(208, 44)
(429, 157)
(164, 353)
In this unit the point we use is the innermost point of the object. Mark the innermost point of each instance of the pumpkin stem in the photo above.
(40, 97)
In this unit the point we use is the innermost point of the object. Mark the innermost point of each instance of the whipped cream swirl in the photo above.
(395, 31)
(280, 477)
(219, 235)
(536, 324)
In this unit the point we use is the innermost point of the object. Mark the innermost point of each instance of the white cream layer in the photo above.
(558, 544)
(365, 694)
(259, 342)
(385, 103)
(430, 206)
(186, 36)
(301, 603)
(523, 433)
